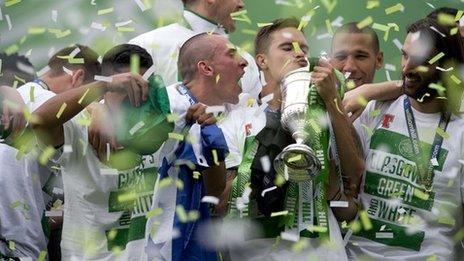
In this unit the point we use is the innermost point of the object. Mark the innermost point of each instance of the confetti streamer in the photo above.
(366, 222)
(42, 256)
(46, 155)
(265, 163)
(103, 78)
(76, 60)
(123, 23)
(98, 26)
(280, 213)
(319, 229)
(83, 96)
(446, 19)
(436, 30)
(215, 109)
(329, 5)
(329, 27)
(436, 58)
(61, 110)
(11, 2)
(149, 72)
(290, 236)
(398, 44)
(8, 21)
(339, 204)
(136, 127)
(196, 174)
(393, 9)
(36, 30)
(218, 77)
(455, 79)
(154, 212)
(264, 24)
(371, 4)
(181, 214)
(67, 71)
(454, 31)
(383, 235)
(123, 29)
(141, 5)
(210, 199)
(54, 16)
(442, 133)
(267, 190)
(366, 22)
(105, 11)
(54, 213)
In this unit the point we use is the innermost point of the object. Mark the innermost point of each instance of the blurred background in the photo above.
(38, 28)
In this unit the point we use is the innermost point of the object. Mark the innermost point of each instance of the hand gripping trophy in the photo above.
(298, 162)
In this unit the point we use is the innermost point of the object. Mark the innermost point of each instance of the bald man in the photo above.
(201, 59)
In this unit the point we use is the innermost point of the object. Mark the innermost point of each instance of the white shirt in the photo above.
(407, 226)
(96, 217)
(163, 45)
(22, 204)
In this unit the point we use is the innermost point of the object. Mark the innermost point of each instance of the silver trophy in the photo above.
(297, 162)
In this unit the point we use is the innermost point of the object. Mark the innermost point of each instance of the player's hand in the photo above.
(133, 84)
(197, 112)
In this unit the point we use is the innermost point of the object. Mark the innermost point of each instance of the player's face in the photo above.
(229, 67)
(355, 53)
(417, 73)
(287, 51)
(223, 9)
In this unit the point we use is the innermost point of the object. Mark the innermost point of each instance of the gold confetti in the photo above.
(15, 204)
(442, 133)
(420, 194)
(455, 79)
(393, 9)
(366, 22)
(154, 212)
(181, 214)
(12, 2)
(105, 11)
(124, 29)
(165, 182)
(436, 58)
(264, 24)
(61, 110)
(196, 174)
(280, 213)
(446, 19)
(42, 256)
(454, 31)
(218, 77)
(36, 30)
(76, 60)
(362, 101)
(350, 85)
(329, 5)
(175, 136)
(338, 108)
(371, 4)
(46, 155)
(11, 245)
(329, 26)
(83, 96)
(366, 222)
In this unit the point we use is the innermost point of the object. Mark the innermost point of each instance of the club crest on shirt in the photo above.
(387, 119)
(405, 148)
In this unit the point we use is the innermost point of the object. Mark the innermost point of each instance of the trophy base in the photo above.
(300, 160)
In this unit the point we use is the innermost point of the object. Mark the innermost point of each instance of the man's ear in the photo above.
(379, 61)
(205, 69)
(261, 61)
(78, 78)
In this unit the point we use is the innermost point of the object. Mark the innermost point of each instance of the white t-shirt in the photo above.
(163, 45)
(408, 225)
(21, 180)
(104, 214)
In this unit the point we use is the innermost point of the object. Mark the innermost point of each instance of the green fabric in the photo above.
(149, 138)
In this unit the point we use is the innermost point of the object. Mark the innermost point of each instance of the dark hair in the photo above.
(90, 65)
(119, 57)
(352, 28)
(15, 65)
(450, 45)
(263, 38)
(442, 10)
(194, 50)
